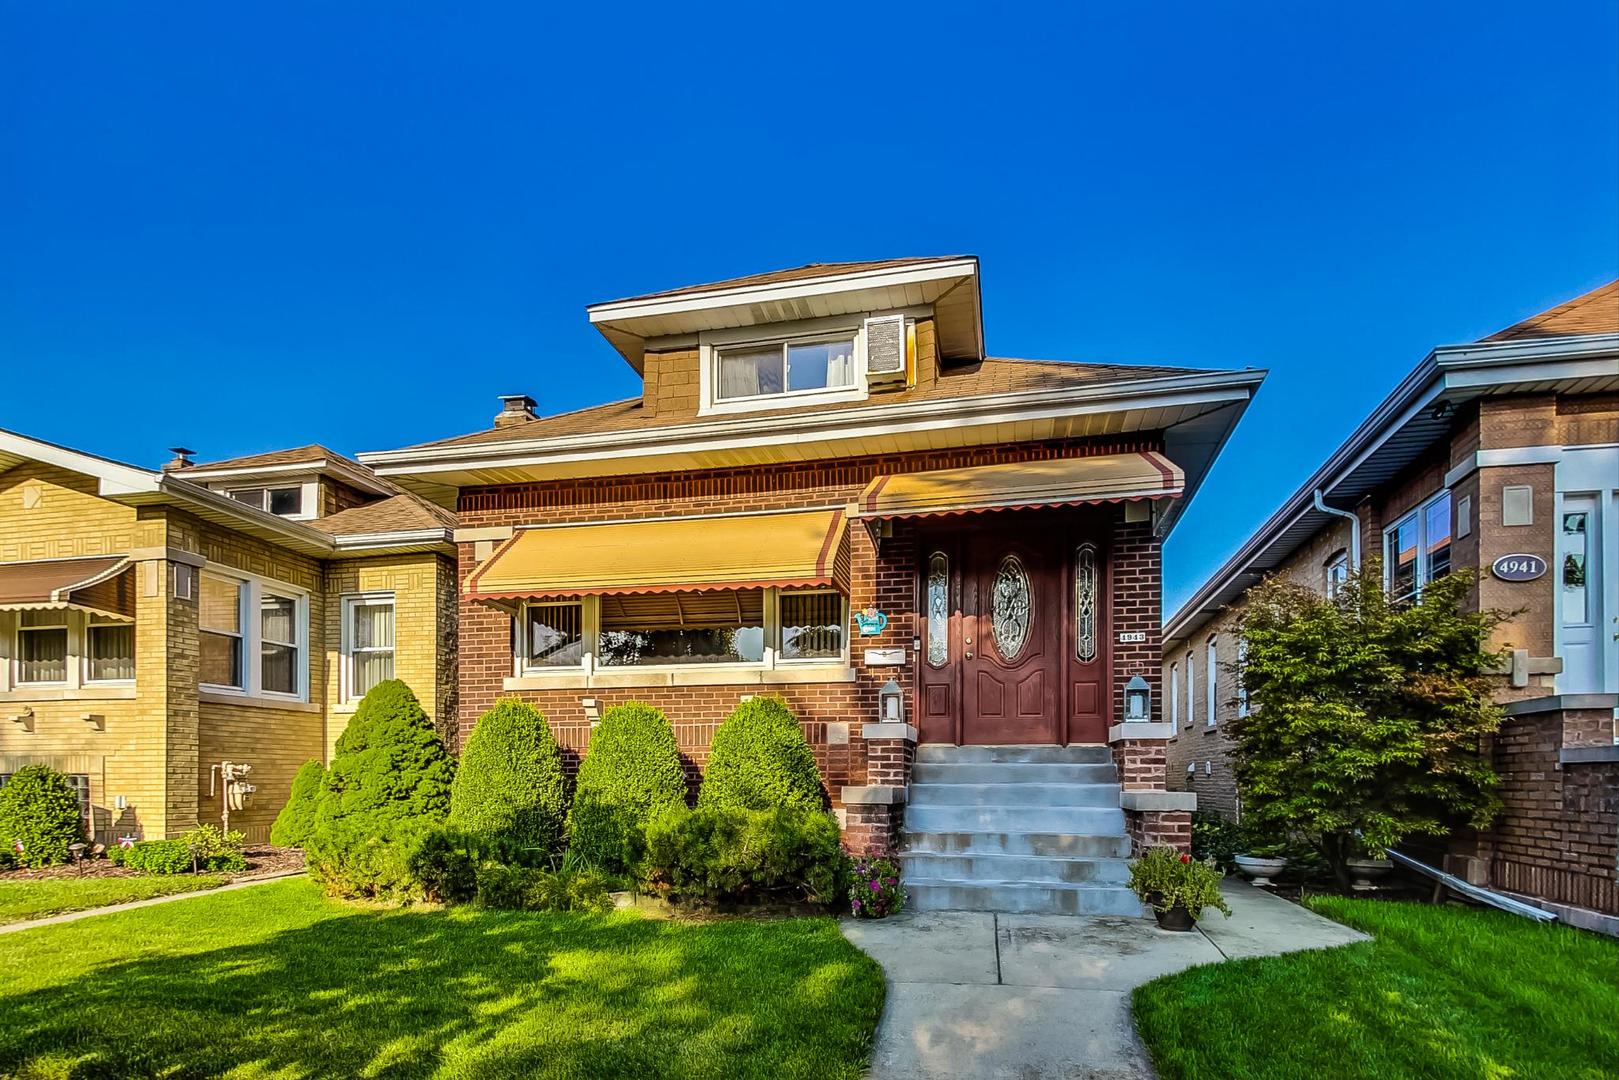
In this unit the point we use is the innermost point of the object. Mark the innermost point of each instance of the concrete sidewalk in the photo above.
(1034, 996)
(131, 905)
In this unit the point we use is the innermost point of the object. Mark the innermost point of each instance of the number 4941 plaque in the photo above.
(1518, 567)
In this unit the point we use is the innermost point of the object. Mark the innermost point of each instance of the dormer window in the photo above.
(281, 501)
(785, 367)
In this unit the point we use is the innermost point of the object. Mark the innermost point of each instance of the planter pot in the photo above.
(1366, 873)
(1257, 870)
(1176, 918)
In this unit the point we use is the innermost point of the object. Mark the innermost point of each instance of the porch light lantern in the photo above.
(1137, 700)
(891, 703)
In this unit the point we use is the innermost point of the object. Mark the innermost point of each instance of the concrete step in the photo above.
(924, 866)
(931, 753)
(1094, 820)
(990, 772)
(1069, 845)
(1022, 898)
(1014, 794)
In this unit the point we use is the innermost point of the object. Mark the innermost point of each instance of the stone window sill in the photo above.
(717, 676)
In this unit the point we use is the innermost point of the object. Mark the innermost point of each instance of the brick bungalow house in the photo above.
(155, 624)
(826, 487)
(1506, 446)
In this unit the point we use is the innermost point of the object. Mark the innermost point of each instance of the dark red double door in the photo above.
(1013, 643)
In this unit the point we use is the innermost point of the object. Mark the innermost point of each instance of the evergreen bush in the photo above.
(509, 788)
(297, 819)
(39, 816)
(630, 775)
(724, 854)
(760, 760)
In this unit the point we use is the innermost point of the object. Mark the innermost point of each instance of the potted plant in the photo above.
(1177, 887)
(1262, 862)
(1366, 869)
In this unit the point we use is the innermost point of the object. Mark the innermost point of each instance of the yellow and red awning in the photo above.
(97, 583)
(742, 551)
(1022, 485)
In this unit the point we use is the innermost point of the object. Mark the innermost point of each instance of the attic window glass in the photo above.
(786, 367)
(281, 501)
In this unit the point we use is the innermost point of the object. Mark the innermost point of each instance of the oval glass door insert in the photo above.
(1009, 608)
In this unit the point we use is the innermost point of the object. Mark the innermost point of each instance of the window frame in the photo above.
(94, 622)
(590, 630)
(251, 589)
(786, 345)
(348, 651)
(267, 498)
(1174, 694)
(65, 626)
(1191, 687)
(1211, 683)
(1417, 515)
(1335, 571)
(711, 343)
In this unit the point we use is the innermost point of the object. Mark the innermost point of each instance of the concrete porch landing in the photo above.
(972, 994)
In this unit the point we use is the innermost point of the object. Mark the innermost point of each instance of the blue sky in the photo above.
(207, 213)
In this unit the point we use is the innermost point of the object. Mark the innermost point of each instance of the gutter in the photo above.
(1354, 527)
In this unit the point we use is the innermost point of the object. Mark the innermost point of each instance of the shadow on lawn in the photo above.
(483, 994)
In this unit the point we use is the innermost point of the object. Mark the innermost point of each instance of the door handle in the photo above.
(969, 654)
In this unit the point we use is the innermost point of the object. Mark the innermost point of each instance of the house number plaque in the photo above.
(1518, 567)
(1132, 637)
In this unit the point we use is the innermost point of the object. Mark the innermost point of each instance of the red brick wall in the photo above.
(1136, 597)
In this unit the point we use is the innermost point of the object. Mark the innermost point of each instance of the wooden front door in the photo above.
(1013, 644)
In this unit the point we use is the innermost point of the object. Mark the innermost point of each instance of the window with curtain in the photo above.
(682, 628)
(278, 644)
(42, 647)
(219, 621)
(109, 650)
(785, 367)
(812, 625)
(555, 635)
(370, 642)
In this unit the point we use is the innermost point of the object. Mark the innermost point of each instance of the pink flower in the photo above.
(874, 886)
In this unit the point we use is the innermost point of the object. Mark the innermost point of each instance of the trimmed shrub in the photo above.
(39, 816)
(155, 857)
(760, 760)
(727, 855)
(389, 767)
(509, 789)
(297, 819)
(571, 887)
(369, 859)
(631, 775)
(445, 866)
(204, 849)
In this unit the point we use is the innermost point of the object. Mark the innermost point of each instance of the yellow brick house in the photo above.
(155, 624)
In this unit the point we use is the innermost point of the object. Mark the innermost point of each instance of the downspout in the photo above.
(1354, 530)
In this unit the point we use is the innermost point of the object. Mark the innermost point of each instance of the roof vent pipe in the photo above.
(1354, 527)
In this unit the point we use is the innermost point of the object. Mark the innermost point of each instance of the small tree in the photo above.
(1366, 717)
(390, 765)
(509, 788)
(39, 816)
(297, 819)
(631, 774)
(760, 760)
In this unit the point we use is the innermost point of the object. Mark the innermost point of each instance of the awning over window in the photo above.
(1060, 482)
(802, 548)
(99, 583)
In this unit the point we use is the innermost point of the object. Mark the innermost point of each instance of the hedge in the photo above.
(509, 788)
(760, 760)
(631, 774)
(39, 816)
(725, 854)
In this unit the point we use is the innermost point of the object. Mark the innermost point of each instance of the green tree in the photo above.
(509, 789)
(390, 766)
(39, 816)
(297, 819)
(760, 760)
(631, 774)
(1366, 716)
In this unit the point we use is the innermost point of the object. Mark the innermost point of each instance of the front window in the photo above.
(109, 650)
(219, 620)
(682, 628)
(370, 628)
(1417, 548)
(278, 644)
(253, 636)
(785, 367)
(556, 635)
(812, 625)
(42, 647)
(281, 501)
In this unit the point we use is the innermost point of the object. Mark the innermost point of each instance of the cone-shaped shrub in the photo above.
(297, 819)
(631, 775)
(39, 816)
(760, 760)
(389, 767)
(509, 789)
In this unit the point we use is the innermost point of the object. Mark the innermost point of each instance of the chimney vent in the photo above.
(514, 409)
(181, 460)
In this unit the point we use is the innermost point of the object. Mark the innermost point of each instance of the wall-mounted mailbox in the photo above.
(884, 657)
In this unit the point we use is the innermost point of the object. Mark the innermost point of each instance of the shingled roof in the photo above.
(298, 455)
(1595, 312)
(807, 272)
(399, 513)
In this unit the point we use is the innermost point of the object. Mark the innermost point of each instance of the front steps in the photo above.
(1024, 829)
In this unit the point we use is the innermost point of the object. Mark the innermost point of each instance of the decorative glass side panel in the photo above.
(938, 609)
(1009, 608)
(1085, 603)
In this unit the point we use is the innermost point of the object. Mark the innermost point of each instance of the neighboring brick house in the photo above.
(1506, 446)
(824, 486)
(157, 623)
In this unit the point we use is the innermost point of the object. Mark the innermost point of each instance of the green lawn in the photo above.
(38, 897)
(1441, 992)
(277, 981)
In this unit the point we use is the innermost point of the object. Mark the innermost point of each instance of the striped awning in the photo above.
(739, 551)
(1056, 482)
(98, 583)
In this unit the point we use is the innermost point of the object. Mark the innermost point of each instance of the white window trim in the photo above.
(1175, 695)
(71, 660)
(252, 636)
(1338, 559)
(1211, 681)
(89, 621)
(590, 629)
(346, 649)
(1392, 532)
(78, 661)
(711, 342)
(1191, 688)
(309, 500)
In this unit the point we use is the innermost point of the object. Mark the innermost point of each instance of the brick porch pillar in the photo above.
(1154, 816)
(875, 811)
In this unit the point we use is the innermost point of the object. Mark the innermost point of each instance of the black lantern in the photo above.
(1137, 699)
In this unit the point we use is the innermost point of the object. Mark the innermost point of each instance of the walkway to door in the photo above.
(972, 994)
